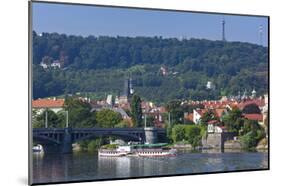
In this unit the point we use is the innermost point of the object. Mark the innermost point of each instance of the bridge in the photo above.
(60, 140)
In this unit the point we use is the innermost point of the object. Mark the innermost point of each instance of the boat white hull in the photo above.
(37, 149)
(105, 154)
(156, 154)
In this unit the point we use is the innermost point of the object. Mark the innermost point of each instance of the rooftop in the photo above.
(48, 103)
(256, 117)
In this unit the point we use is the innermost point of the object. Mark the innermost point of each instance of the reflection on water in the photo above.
(88, 166)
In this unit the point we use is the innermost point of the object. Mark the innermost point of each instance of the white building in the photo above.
(56, 64)
(109, 99)
(215, 129)
(197, 114)
(210, 85)
(43, 65)
(54, 104)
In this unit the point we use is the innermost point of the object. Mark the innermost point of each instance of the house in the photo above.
(164, 71)
(220, 129)
(122, 112)
(188, 117)
(259, 102)
(255, 117)
(220, 112)
(56, 64)
(213, 127)
(54, 104)
(43, 65)
(197, 114)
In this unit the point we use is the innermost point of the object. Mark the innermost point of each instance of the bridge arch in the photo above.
(61, 140)
(126, 137)
(42, 139)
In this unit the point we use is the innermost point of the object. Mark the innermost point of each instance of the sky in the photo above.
(108, 21)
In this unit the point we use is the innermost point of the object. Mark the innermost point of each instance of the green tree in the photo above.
(176, 111)
(98, 64)
(178, 133)
(252, 133)
(108, 118)
(233, 120)
(250, 125)
(136, 111)
(37, 122)
(53, 120)
(189, 133)
(193, 135)
(123, 124)
(208, 116)
(79, 113)
(150, 121)
(249, 140)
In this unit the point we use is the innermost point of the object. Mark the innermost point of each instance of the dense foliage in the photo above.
(136, 111)
(208, 116)
(192, 134)
(108, 118)
(79, 116)
(233, 120)
(79, 113)
(100, 64)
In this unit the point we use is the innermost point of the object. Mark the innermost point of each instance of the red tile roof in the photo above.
(258, 102)
(201, 112)
(256, 117)
(47, 103)
(217, 104)
(219, 112)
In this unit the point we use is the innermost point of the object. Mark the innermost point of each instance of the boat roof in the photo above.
(150, 145)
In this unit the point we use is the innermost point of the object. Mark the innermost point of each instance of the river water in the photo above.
(88, 166)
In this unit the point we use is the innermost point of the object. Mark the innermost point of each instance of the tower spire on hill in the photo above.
(261, 34)
(223, 30)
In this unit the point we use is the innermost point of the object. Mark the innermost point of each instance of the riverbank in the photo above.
(229, 146)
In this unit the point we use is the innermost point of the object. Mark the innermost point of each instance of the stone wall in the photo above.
(217, 140)
(231, 144)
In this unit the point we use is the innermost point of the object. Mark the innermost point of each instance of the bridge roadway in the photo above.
(60, 140)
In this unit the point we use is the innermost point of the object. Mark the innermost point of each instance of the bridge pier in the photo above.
(51, 148)
(217, 140)
(150, 135)
(67, 141)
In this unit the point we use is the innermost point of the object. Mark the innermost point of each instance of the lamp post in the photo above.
(66, 113)
(46, 118)
(66, 118)
(145, 121)
(169, 116)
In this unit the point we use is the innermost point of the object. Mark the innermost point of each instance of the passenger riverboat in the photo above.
(157, 153)
(119, 151)
(141, 150)
(154, 150)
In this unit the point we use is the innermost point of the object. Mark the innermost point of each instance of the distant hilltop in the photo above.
(123, 52)
(161, 69)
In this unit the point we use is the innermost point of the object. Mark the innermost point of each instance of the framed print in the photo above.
(121, 92)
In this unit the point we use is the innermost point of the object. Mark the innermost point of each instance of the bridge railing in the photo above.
(92, 129)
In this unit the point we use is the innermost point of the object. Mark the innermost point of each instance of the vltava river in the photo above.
(88, 166)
